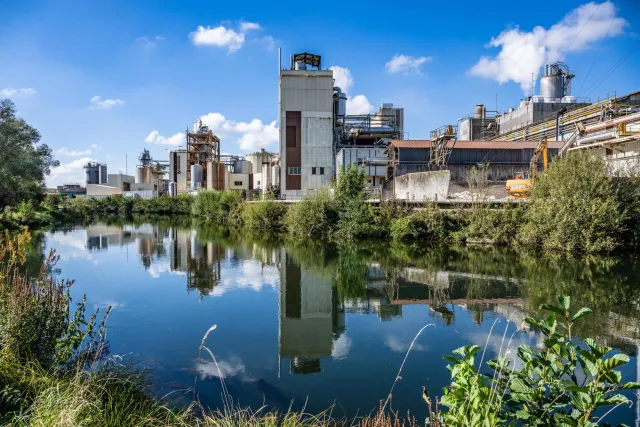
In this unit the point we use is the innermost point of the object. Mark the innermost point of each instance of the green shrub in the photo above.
(219, 207)
(577, 207)
(543, 389)
(266, 216)
(493, 226)
(430, 225)
(316, 215)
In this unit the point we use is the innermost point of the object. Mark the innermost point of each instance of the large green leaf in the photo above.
(630, 386)
(588, 366)
(581, 313)
(554, 309)
(615, 361)
(564, 301)
(519, 386)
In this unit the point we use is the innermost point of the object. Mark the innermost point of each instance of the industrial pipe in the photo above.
(609, 123)
(596, 138)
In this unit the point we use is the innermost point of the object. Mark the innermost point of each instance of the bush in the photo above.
(430, 225)
(315, 216)
(577, 207)
(219, 207)
(265, 216)
(561, 384)
(493, 226)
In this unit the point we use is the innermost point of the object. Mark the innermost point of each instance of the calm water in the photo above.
(322, 325)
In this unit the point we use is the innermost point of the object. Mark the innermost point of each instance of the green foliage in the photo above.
(35, 320)
(545, 389)
(126, 206)
(24, 162)
(265, 216)
(219, 207)
(577, 207)
(315, 216)
(429, 225)
(494, 226)
(356, 218)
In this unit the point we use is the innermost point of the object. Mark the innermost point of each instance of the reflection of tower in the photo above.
(204, 268)
(308, 316)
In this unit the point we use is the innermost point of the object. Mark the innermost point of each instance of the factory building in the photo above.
(96, 173)
(306, 113)
(262, 164)
(503, 158)
(372, 160)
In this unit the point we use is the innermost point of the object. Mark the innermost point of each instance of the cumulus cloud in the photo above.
(250, 136)
(219, 36)
(249, 26)
(9, 92)
(342, 78)
(405, 63)
(65, 152)
(523, 53)
(358, 104)
(224, 369)
(341, 347)
(68, 173)
(149, 42)
(99, 103)
(154, 137)
(394, 344)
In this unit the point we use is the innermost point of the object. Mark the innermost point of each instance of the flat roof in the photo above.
(471, 145)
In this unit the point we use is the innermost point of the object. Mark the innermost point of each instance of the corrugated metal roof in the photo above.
(410, 143)
(469, 145)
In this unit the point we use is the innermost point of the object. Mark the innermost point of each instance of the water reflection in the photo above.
(334, 322)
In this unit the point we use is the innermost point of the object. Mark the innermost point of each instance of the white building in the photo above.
(306, 126)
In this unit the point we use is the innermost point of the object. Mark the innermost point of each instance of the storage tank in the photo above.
(173, 189)
(275, 175)
(103, 173)
(551, 86)
(242, 166)
(479, 111)
(196, 177)
(95, 173)
(144, 175)
(339, 103)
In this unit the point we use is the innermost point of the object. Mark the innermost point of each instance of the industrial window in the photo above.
(313, 171)
(258, 182)
(321, 171)
(237, 183)
(293, 170)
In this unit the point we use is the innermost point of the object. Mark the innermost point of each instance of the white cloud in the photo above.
(250, 136)
(405, 63)
(154, 137)
(69, 173)
(341, 347)
(9, 92)
(394, 344)
(269, 42)
(98, 102)
(65, 152)
(342, 78)
(149, 42)
(223, 369)
(359, 104)
(219, 36)
(249, 26)
(524, 53)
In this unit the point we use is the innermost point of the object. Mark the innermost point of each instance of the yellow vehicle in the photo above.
(520, 187)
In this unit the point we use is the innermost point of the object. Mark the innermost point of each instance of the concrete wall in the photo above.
(460, 173)
(311, 93)
(242, 178)
(423, 185)
(99, 190)
(119, 180)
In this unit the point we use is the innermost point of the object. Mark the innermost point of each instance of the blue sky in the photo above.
(105, 79)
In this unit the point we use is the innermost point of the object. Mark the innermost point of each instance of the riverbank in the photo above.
(77, 384)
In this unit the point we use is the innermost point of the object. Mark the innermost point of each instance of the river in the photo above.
(323, 325)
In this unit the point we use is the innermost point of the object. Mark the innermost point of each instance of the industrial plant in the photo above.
(319, 139)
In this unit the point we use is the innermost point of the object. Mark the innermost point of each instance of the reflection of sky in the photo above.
(157, 321)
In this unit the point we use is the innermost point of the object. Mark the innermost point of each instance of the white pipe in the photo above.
(600, 126)
(595, 138)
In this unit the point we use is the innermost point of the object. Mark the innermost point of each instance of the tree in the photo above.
(24, 162)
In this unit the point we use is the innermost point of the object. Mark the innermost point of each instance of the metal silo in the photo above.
(196, 177)
(242, 166)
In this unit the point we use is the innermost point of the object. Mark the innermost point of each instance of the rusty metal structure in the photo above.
(203, 149)
(440, 144)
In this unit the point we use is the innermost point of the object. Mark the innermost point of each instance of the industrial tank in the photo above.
(144, 175)
(479, 111)
(551, 87)
(96, 173)
(242, 166)
(339, 103)
(196, 177)
(173, 189)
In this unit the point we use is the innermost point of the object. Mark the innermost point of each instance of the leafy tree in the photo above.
(24, 162)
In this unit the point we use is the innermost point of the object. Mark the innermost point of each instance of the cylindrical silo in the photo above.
(196, 177)
(242, 166)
